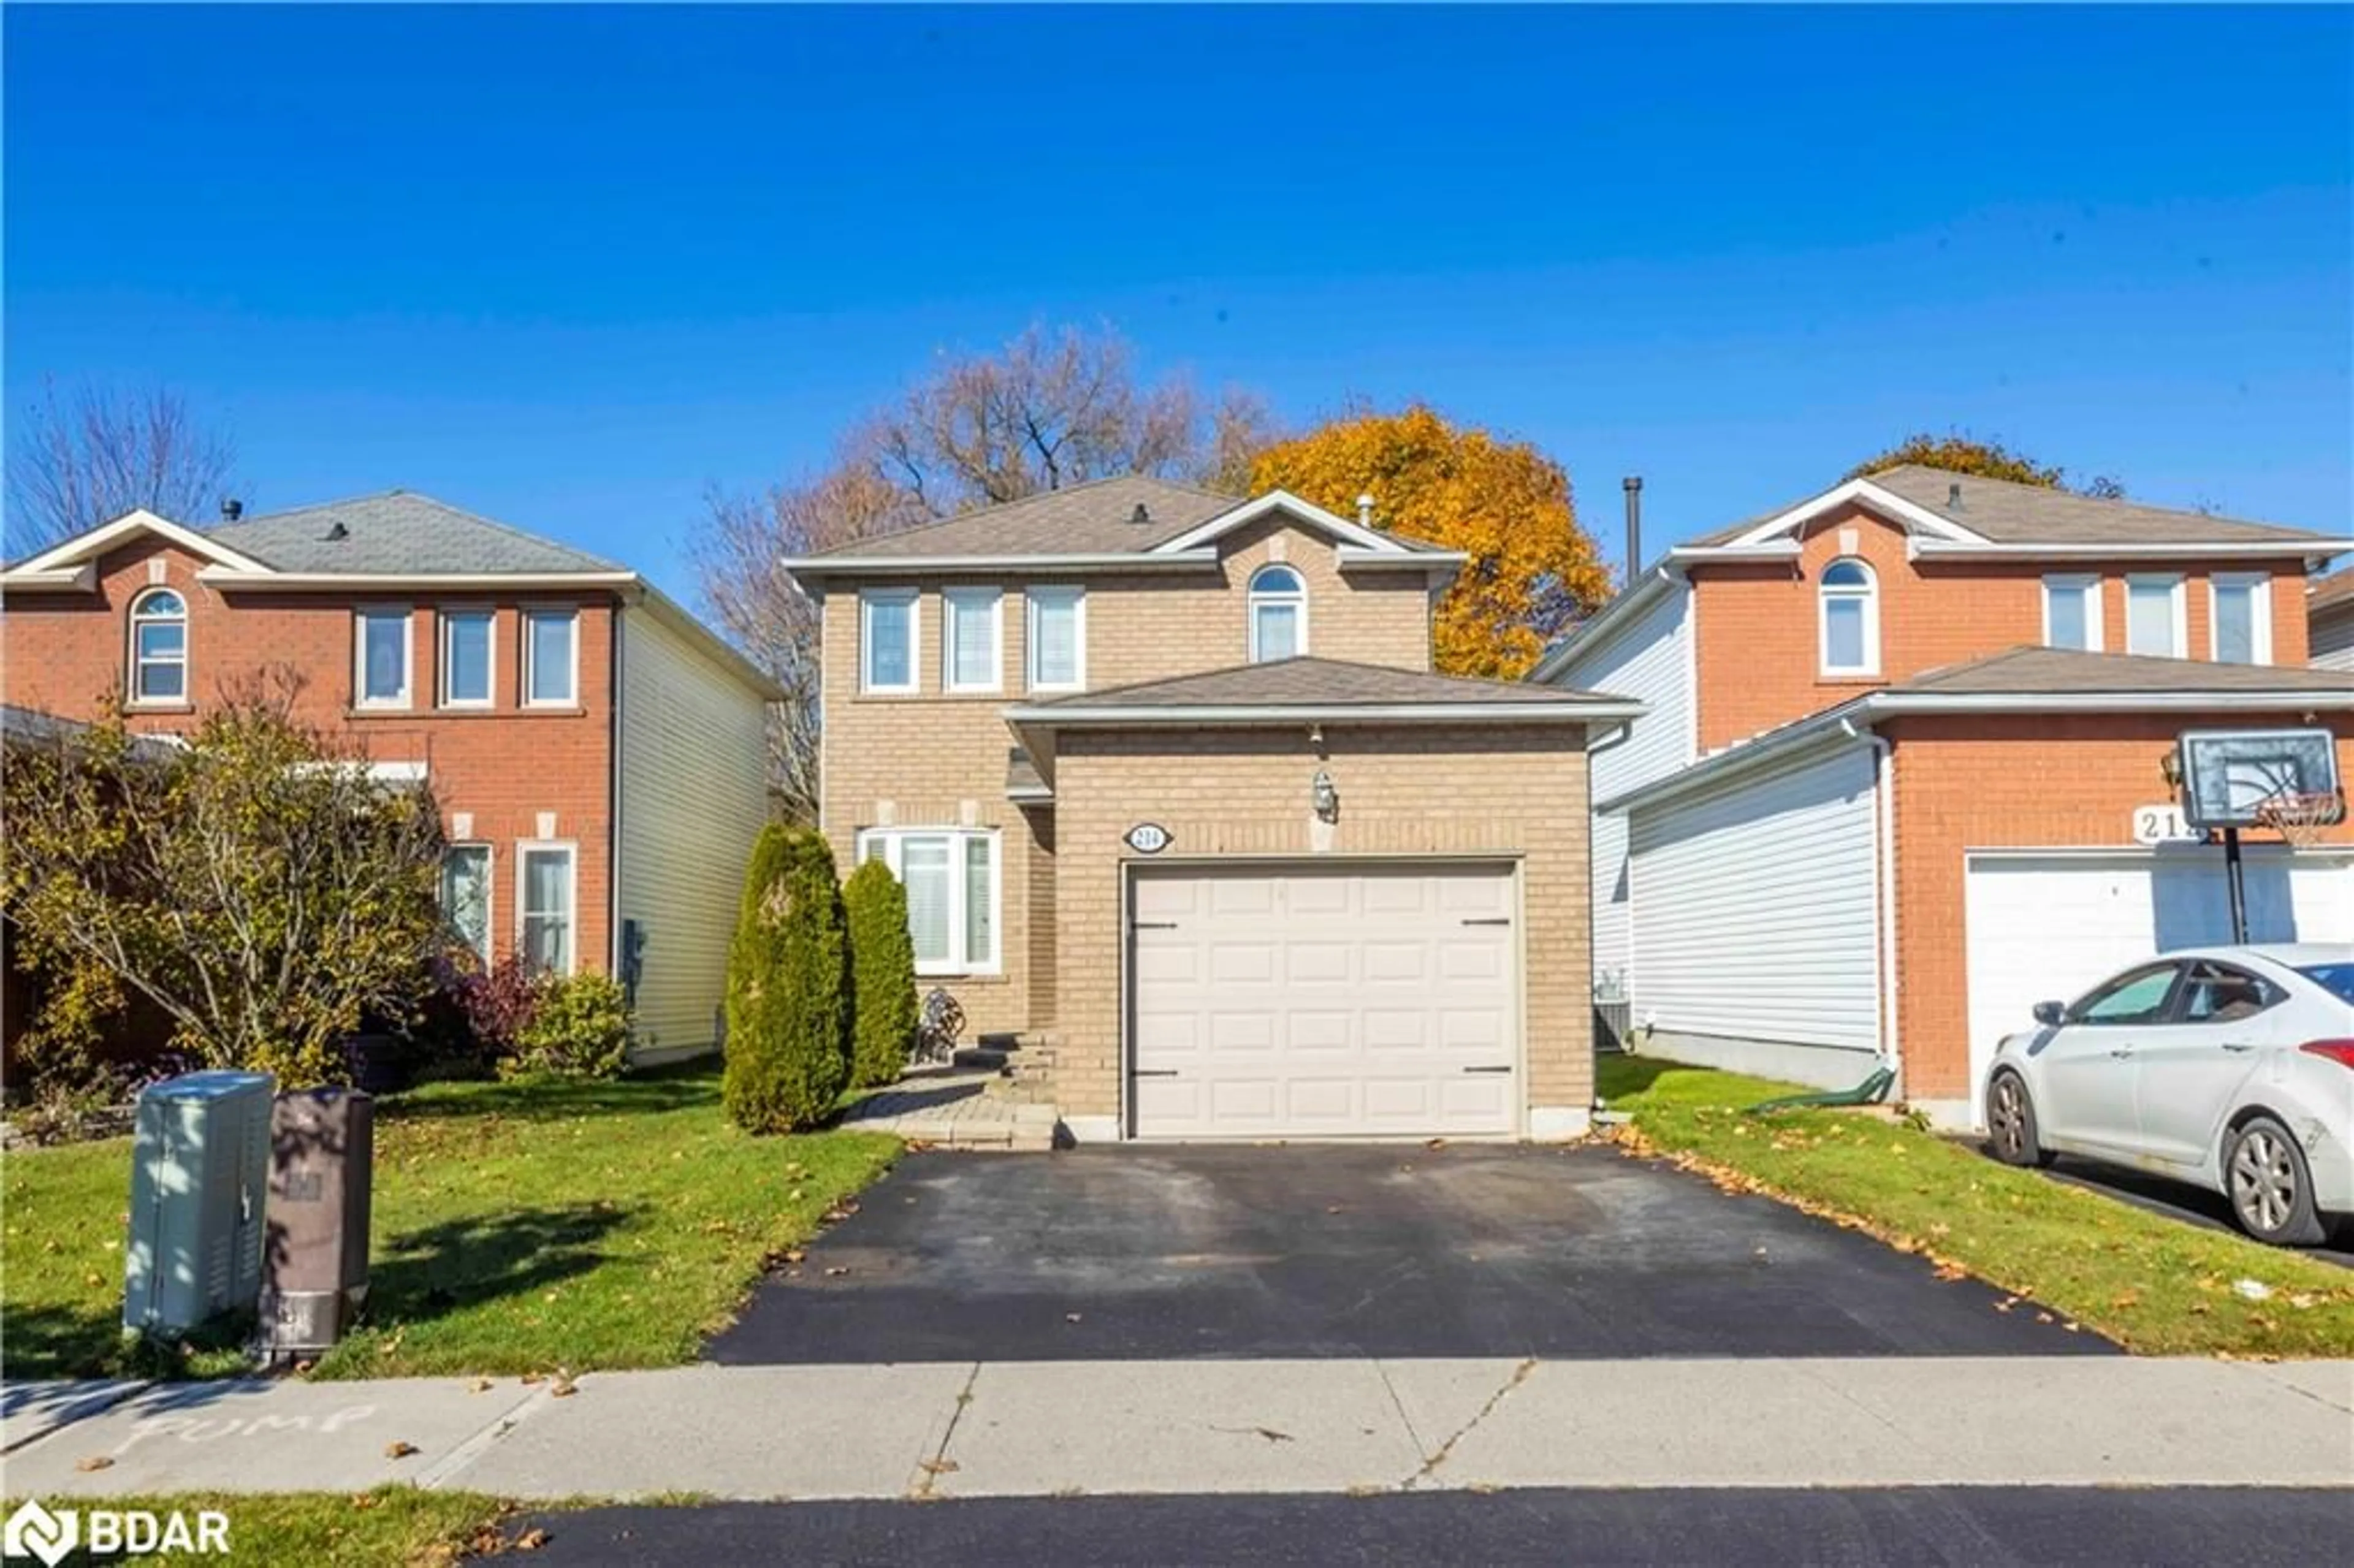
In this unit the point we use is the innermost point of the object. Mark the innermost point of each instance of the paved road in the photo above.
(1955, 1525)
(1300, 1252)
(2176, 1200)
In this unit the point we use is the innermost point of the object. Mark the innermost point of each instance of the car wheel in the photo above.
(2010, 1122)
(2271, 1190)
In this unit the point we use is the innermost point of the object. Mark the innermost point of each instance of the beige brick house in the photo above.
(1181, 807)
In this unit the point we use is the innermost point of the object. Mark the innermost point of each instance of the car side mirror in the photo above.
(2051, 1015)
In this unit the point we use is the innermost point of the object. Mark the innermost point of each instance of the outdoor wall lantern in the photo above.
(1327, 798)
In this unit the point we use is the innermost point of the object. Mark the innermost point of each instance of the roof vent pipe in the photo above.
(1953, 496)
(1140, 516)
(1633, 485)
(336, 531)
(1365, 511)
(232, 509)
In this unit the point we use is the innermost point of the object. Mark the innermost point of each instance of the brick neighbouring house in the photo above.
(1179, 805)
(597, 753)
(1886, 795)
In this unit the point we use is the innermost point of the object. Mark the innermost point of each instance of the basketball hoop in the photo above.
(2300, 817)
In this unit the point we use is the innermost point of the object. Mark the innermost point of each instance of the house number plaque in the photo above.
(1147, 837)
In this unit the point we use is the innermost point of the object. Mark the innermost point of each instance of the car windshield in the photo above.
(2336, 978)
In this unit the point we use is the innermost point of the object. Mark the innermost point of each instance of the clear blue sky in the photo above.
(568, 267)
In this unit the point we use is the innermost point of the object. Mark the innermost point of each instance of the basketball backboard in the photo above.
(2227, 775)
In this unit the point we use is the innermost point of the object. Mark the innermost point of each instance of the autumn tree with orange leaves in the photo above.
(1532, 571)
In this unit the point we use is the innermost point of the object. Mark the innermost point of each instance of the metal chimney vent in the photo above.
(232, 509)
(1953, 496)
(336, 531)
(1140, 516)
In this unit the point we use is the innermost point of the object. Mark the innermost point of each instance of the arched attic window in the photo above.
(1279, 614)
(1848, 600)
(159, 647)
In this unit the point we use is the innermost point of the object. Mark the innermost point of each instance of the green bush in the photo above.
(789, 986)
(883, 969)
(579, 1026)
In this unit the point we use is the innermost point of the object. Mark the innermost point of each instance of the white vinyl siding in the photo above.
(1755, 907)
(2333, 643)
(1651, 661)
(694, 797)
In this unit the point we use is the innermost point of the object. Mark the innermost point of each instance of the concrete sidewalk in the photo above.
(1042, 1429)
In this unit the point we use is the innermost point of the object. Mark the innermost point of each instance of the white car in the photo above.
(2230, 1068)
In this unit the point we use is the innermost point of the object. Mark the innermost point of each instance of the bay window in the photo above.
(952, 882)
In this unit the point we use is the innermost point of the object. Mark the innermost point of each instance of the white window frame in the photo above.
(892, 842)
(2259, 613)
(571, 850)
(529, 658)
(2178, 591)
(407, 615)
(957, 603)
(2089, 589)
(868, 599)
(443, 620)
(490, 892)
(1079, 599)
(1868, 595)
(138, 617)
(1297, 597)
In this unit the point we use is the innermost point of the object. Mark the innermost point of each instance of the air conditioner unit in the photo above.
(199, 1174)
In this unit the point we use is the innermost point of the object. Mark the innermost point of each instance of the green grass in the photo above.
(392, 1527)
(2155, 1285)
(517, 1227)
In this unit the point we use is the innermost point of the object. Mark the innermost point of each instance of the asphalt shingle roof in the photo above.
(399, 532)
(1082, 519)
(2331, 592)
(2055, 671)
(1316, 682)
(2011, 514)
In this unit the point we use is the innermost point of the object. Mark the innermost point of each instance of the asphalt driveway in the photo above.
(1324, 1251)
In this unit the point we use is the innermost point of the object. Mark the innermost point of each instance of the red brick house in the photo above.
(597, 754)
(1900, 775)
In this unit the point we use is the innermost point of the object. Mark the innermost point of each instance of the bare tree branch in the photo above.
(75, 462)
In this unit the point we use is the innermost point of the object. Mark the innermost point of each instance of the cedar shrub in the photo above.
(882, 971)
(789, 986)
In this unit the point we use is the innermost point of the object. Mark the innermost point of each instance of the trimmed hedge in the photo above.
(883, 971)
(789, 986)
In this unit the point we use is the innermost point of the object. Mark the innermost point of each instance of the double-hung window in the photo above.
(2072, 613)
(543, 907)
(551, 658)
(952, 882)
(466, 894)
(1057, 638)
(383, 658)
(973, 623)
(2154, 617)
(468, 656)
(159, 647)
(886, 639)
(2239, 618)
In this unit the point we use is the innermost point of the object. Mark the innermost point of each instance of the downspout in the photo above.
(613, 802)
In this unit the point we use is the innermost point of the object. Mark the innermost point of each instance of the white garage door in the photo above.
(2048, 928)
(1324, 1001)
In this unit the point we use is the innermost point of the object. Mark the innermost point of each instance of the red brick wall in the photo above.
(1999, 782)
(1757, 625)
(64, 654)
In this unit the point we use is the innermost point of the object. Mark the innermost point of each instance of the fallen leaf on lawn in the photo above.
(2303, 1299)
(563, 1389)
(530, 1378)
(2125, 1299)
(531, 1541)
(399, 1450)
(95, 1462)
(481, 1384)
(363, 1500)
(1952, 1271)
(794, 1255)
(2252, 1289)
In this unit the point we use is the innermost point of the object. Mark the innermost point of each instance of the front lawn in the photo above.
(518, 1227)
(390, 1527)
(2152, 1284)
